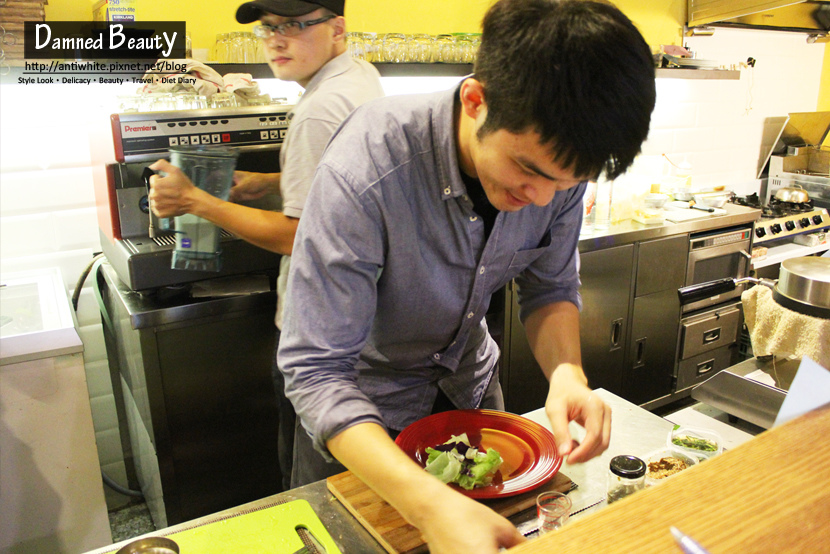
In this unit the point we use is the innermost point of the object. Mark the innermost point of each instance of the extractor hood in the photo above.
(805, 16)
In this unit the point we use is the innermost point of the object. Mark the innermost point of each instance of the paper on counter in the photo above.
(810, 389)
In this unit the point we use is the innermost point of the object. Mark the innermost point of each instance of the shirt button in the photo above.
(473, 218)
(447, 190)
(453, 343)
(437, 356)
(469, 315)
(481, 271)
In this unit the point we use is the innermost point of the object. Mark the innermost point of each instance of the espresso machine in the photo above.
(142, 261)
(191, 373)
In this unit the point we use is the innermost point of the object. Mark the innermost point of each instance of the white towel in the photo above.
(245, 88)
(200, 79)
(775, 330)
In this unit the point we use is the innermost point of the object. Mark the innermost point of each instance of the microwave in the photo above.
(719, 254)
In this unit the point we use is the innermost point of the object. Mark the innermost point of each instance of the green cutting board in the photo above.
(271, 529)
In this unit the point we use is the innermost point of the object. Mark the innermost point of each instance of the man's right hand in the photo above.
(449, 521)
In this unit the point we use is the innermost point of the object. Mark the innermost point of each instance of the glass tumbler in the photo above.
(420, 48)
(220, 48)
(553, 510)
(394, 47)
(444, 49)
(357, 48)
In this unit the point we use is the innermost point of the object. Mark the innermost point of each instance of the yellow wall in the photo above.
(824, 88)
(660, 21)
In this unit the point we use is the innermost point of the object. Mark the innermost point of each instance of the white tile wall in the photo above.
(47, 215)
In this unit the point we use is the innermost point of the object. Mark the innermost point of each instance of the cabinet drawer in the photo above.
(699, 368)
(710, 330)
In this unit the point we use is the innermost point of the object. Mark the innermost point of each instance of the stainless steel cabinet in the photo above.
(652, 347)
(628, 325)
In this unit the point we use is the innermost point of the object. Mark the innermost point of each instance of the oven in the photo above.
(717, 255)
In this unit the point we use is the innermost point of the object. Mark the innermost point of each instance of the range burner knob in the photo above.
(790, 225)
(805, 222)
(817, 219)
(760, 232)
(775, 228)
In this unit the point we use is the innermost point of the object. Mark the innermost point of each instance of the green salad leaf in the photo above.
(457, 461)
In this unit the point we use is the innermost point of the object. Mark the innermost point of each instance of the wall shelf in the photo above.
(262, 71)
(684, 73)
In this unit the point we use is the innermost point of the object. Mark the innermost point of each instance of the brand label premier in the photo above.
(139, 128)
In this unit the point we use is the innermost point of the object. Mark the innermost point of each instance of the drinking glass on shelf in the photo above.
(223, 100)
(463, 48)
(236, 51)
(444, 49)
(372, 45)
(420, 48)
(220, 48)
(356, 45)
(394, 47)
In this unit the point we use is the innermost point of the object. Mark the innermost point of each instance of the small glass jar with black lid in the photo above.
(626, 475)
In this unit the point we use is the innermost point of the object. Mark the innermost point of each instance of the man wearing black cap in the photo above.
(305, 42)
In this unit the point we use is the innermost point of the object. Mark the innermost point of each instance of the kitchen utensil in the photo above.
(683, 195)
(151, 545)
(197, 240)
(527, 448)
(655, 200)
(710, 210)
(794, 194)
(394, 533)
(713, 199)
(803, 286)
(552, 509)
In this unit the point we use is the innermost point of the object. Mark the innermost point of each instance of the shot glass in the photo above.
(553, 509)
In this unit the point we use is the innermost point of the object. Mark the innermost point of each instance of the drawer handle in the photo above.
(616, 332)
(705, 367)
(711, 336)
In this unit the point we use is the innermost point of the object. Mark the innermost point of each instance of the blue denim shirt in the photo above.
(391, 275)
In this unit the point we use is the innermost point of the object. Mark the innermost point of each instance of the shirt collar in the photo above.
(446, 140)
(332, 68)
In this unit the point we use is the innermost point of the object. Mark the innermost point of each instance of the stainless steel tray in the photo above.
(731, 391)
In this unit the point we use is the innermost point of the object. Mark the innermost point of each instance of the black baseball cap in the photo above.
(252, 11)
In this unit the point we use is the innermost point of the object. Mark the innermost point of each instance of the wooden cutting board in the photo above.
(387, 525)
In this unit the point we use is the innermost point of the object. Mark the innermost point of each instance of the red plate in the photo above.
(527, 448)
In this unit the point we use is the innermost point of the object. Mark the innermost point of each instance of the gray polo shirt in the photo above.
(335, 90)
(391, 275)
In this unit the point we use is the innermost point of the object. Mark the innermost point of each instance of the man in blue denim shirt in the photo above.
(421, 208)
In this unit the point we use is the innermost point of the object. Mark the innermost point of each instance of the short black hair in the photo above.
(577, 72)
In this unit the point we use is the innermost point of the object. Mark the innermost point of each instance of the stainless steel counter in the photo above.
(635, 431)
(630, 231)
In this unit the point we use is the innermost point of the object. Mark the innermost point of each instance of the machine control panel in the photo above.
(148, 135)
(789, 225)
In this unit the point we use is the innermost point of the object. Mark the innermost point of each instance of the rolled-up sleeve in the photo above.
(337, 257)
(554, 276)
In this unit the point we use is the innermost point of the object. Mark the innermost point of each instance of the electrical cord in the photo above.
(76, 295)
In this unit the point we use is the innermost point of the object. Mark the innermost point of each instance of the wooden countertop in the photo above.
(770, 494)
